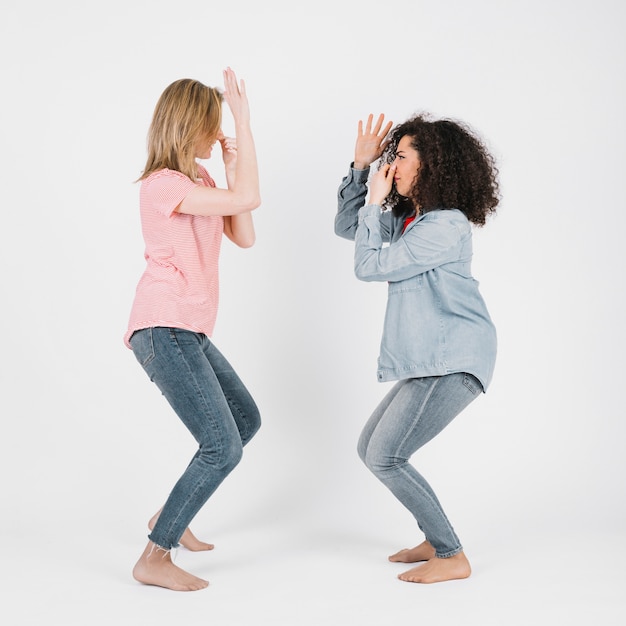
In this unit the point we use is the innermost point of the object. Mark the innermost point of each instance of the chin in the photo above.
(395, 186)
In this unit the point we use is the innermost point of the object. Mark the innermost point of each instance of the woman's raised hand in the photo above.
(236, 98)
(371, 142)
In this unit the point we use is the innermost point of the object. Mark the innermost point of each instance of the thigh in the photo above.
(420, 410)
(174, 360)
(242, 406)
(378, 414)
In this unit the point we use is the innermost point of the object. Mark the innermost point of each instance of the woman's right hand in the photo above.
(242, 173)
(236, 98)
(371, 143)
(381, 183)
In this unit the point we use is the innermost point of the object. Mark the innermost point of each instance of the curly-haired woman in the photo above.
(434, 181)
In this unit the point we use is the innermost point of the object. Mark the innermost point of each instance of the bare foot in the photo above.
(155, 567)
(423, 552)
(188, 540)
(437, 570)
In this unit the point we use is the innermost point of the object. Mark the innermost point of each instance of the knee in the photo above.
(377, 461)
(252, 427)
(224, 459)
(371, 455)
(232, 455)
(370, 460)
(361, 450)
(367, 455)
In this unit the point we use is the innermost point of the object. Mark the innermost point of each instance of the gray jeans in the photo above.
(410, 415)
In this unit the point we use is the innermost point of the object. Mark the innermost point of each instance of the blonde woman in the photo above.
(183, 218)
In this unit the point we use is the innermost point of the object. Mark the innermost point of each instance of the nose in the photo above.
(220, 135)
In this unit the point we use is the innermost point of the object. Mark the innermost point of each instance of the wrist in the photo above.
(360, 165)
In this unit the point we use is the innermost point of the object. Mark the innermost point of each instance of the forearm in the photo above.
(230, 177)
(240, 229)
(368, 244)
(244, 182)
(429, 244)
(350, 198)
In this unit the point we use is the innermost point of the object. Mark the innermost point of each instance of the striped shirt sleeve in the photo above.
(166, 189)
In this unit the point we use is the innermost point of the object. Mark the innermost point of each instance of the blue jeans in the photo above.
(212, 402)
(410, 415)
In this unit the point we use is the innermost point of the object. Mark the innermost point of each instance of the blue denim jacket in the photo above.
(436, 321)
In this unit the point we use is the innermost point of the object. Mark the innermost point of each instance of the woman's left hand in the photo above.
(381, 183)
(229, 151)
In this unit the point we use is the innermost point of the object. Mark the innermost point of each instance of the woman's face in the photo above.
(407, 163)
(205, 146)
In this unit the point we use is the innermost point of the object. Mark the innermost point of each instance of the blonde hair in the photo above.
(186, 112)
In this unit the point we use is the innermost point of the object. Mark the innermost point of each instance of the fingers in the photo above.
(235, 96)
(381, 183)
(386, 174)
(228, 143)
(381, 134)
(379, 123)
(231, 88)
(230, 78)
(387, 171)
(228, 81)
(368, 124)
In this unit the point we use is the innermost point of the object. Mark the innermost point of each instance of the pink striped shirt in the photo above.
(180, 285)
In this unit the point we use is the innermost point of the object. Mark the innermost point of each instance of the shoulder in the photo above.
(447, 218)
(447, 227)
(165, 189)
(164, 176)
(452, 216)
(167, 181)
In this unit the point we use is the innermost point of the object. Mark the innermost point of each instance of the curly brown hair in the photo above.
(456, 169)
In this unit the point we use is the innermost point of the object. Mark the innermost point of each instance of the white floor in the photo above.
(302, 530)
(297, 569)
(334, 578)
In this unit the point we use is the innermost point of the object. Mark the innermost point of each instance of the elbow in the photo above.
(247, 242)
(344, 233)
(361, 273)
(252, 202)
(245, 204)
(367, 269)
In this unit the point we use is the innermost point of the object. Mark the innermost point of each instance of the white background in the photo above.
(532, 474)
